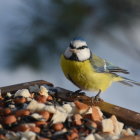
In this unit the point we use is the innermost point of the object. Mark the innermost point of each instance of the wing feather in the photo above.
(101, 65)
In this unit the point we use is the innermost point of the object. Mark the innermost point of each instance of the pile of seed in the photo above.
(33, 114)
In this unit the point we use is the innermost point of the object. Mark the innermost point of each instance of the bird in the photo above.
(88, 71)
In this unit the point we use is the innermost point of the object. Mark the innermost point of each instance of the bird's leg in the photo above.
(79, 92)
(97, 97)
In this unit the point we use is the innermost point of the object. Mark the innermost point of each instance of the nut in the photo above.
(7, 111)
(23, 112)
(77, 119)
(23, 93)
(41, 98)
(96, 114)
(34, 129)
(22, 128)
(26, 127)
(81, 107)
(45, 114)
(43, 91)
(10, 119)
(1, 98)
(72, 136)
(118, 126)
(107, 126)
(2, 137)
(58, 126)
(20, 100)
(39, 123)
(74, 130)
(49, 98)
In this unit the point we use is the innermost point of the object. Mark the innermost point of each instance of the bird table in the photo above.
(130, 118)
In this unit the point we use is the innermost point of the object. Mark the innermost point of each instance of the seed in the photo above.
(58, 126)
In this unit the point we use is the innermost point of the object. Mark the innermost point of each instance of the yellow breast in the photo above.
(84, 76)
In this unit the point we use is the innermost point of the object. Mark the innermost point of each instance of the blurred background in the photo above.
(34, 33)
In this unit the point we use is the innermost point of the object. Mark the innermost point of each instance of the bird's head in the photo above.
(78, 50)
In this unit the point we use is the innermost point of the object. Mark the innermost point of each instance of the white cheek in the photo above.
(83, 54)
(67, 53)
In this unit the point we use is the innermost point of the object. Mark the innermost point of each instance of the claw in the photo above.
(96, 98)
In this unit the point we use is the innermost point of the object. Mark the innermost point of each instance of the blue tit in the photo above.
(88, 71)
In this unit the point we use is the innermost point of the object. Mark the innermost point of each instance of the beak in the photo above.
(73, 50)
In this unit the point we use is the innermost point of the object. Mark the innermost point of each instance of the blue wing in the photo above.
(101, 65)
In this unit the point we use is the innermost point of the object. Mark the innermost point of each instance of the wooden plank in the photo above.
(15, 87)
(130, 138)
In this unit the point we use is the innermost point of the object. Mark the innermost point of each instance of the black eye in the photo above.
(71, 46)
(82, 47)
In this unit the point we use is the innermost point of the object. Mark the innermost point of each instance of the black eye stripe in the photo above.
(82, 47)
(71, 46)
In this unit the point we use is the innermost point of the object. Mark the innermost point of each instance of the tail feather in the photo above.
(126, 83)
(119, 70)
(129, 82)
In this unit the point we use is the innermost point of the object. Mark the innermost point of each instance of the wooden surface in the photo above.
(12, 88)
(131, 138)
(127, 116)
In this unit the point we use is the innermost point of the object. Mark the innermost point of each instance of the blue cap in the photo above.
(78, 38)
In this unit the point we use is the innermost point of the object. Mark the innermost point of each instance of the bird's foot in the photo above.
(79, 92)
(96, 98)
